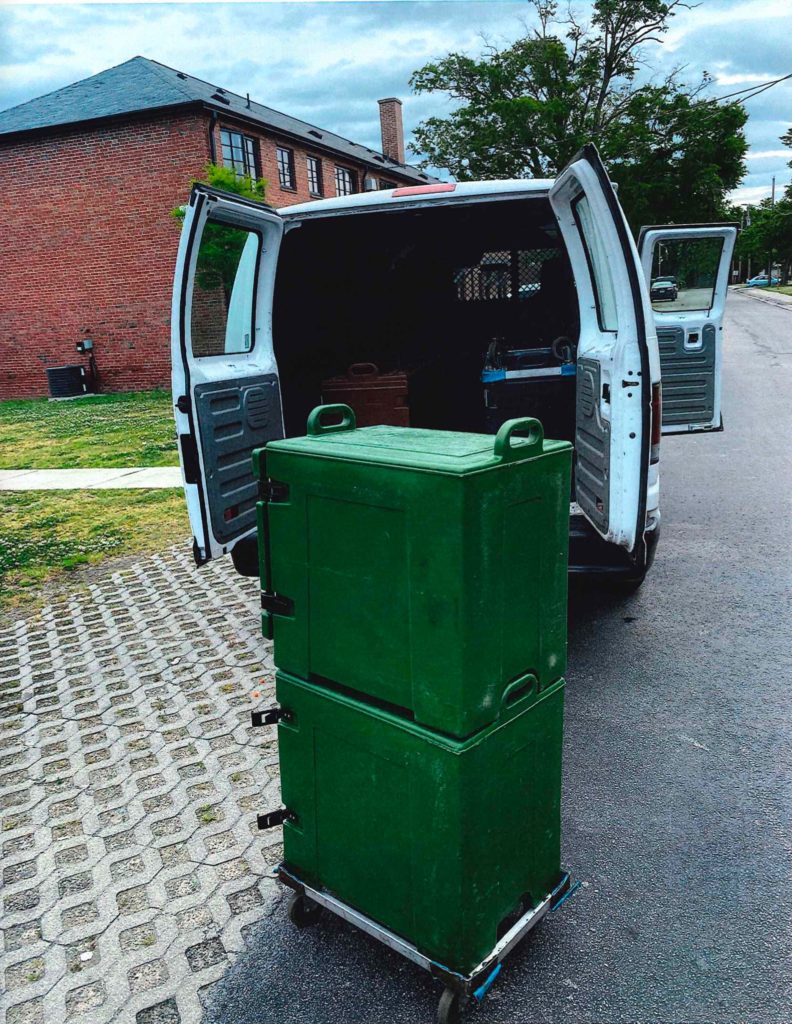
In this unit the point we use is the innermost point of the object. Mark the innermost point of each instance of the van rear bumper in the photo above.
(589, 554)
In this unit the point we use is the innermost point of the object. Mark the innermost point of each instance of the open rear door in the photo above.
(686, 268)
(613, 385)
(225, 380)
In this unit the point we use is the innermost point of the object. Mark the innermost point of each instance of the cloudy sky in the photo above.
(329, 62)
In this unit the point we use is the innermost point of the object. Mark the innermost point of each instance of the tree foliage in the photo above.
(525, 109)
(221, 246)
(768, 235)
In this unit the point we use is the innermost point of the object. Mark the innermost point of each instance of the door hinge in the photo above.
(276, 604)
(269, 716)
(183, 404)
(275, 818)
(189, 451)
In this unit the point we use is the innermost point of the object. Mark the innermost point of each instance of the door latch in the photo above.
(276, 604)
(275, 818)
(269, 716)
(274, 491)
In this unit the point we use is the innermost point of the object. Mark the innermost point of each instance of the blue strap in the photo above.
(486, 985)
(566, 896)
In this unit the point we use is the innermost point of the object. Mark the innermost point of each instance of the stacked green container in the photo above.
(415, 585)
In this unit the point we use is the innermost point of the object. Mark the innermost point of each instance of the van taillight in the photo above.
(657, 422)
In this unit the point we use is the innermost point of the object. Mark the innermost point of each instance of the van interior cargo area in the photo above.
(474, 303)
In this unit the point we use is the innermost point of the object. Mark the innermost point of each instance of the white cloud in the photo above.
(770, 154)
(713, 15)
(751, 195)
(738, 79)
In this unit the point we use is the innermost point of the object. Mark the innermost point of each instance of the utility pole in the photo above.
(770, 252)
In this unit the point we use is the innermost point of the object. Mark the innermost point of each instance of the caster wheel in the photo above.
(449, 1010)
(303, 912)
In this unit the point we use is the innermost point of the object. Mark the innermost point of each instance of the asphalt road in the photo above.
(677, 796)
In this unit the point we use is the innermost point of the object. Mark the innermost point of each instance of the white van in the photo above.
(497, 299)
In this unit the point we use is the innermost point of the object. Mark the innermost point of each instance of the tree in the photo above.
(525, 109)
(221, 246)
(767, 238)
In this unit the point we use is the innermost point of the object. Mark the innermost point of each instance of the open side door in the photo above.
(225, 380)
(686, 268)
(613, 379)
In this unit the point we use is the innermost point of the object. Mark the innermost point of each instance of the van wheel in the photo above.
(628, 585)
(631, 580)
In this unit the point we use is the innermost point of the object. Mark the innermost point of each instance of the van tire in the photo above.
(635, 575)
(628, 584)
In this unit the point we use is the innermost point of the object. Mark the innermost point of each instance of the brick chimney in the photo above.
(392, 129)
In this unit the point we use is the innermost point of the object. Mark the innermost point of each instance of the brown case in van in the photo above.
(379, 399)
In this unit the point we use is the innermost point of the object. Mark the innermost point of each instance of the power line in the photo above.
(754, 90)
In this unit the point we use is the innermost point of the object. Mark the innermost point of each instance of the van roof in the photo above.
(434, 194)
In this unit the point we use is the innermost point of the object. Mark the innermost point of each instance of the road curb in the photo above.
(773, 300)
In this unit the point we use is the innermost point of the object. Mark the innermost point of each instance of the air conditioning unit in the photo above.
(370, 185)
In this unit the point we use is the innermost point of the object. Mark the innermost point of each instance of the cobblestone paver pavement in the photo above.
(130, 779)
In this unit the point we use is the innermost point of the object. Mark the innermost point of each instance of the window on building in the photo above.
(345, 181)
(286, 175)
(239, 152)
(386, 184)
(315, 176)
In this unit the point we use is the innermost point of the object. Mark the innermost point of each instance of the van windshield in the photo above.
(456, 298)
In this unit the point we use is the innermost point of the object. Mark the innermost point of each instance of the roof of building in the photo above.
(141, 84)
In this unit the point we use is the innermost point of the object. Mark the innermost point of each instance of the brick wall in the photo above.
(88, 245)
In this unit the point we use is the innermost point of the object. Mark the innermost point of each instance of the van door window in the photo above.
(599, 266)
(684, 273)
(222, 314)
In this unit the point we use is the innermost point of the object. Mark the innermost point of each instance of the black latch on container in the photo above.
(274, 491)
(276, 604)
(275, 818)
(270, 716)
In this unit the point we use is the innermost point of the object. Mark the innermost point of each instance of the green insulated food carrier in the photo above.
(424, 569)
(443, 841)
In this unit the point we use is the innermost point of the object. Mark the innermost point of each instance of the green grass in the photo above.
(785, 289)
(135, 429)
(46, 535)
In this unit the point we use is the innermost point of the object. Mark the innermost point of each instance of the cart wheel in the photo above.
(449, 1010)
(303, 912)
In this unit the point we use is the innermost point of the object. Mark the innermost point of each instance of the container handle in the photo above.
(363, 370)
(508, 452)
(517, 690)
(316, 426)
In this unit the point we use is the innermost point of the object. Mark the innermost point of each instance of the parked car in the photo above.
(760, 281)
(376, 278)
(662, 289)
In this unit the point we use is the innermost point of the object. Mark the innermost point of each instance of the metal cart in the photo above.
(307, 904)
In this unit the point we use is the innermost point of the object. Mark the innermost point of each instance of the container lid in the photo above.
(444, 450)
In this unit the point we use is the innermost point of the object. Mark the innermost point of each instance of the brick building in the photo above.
(89, 175)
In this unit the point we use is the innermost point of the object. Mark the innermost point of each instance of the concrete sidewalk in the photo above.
(774, 298)
(89, 479)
